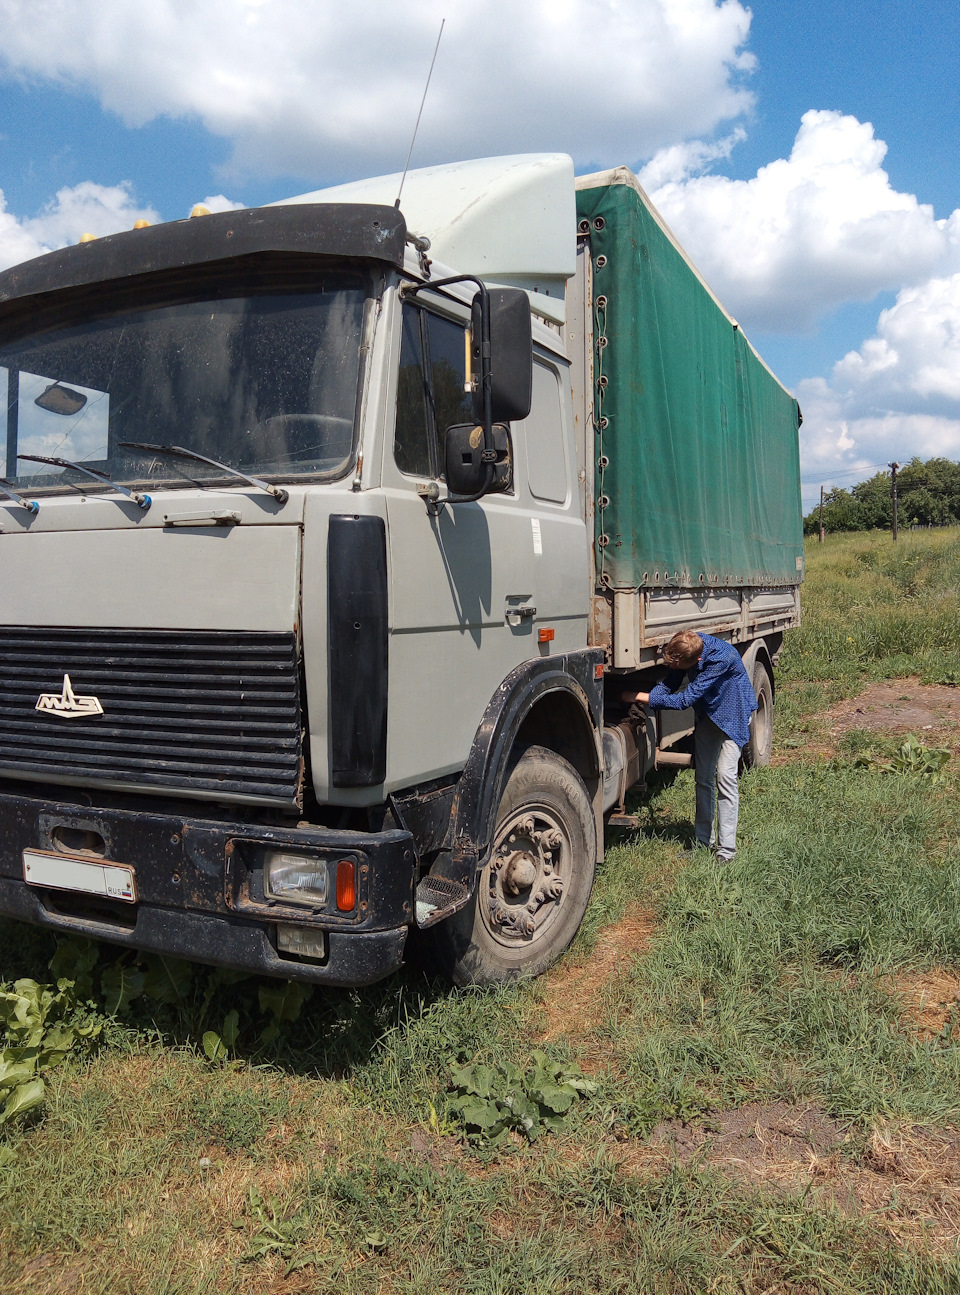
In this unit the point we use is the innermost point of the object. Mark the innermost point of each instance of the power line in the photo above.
(849, 472)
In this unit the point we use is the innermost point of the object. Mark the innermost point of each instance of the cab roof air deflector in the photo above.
(360, 231)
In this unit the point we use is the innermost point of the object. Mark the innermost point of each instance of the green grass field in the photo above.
(701, 1012)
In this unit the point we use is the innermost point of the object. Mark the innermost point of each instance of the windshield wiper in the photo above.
(31, 506)
(144, 501)
(278, 492)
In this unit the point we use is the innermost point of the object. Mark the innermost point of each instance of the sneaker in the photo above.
(696, 851)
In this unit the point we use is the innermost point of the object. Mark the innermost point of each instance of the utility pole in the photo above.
(894, 469)
(821, 514)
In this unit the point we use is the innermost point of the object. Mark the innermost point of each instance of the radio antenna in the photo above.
(420, 113)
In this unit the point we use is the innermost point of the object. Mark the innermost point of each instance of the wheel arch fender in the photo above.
(756, 651)
(554, 702)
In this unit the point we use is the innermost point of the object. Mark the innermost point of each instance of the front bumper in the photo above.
(200, 891)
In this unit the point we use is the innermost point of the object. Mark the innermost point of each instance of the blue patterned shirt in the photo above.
(719, 688)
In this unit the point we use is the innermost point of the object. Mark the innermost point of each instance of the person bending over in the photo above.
(722, 697)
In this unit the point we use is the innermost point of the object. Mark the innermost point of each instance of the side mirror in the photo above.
(511, 355)
(463, 467)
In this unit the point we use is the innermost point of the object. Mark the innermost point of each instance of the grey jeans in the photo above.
(718, 796)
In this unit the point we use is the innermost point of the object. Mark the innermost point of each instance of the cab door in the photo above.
(471, 584)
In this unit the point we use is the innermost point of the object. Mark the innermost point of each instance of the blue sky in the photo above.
(806, 153)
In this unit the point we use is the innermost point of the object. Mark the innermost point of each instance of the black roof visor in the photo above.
(349, 230)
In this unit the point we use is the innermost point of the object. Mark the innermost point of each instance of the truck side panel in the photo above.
(696, 441)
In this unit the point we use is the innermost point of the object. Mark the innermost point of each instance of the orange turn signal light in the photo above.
(346, 885)
(546, 636)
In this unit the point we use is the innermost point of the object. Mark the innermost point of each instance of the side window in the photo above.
(542, 433)
(431, 392)
(411, 446)
(448, 364)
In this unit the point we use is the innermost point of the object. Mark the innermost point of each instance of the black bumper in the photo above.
(200, 892)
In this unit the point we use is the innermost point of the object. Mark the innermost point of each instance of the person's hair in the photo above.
(683, 650)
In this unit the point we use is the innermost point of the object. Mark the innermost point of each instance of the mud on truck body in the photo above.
(326, 527)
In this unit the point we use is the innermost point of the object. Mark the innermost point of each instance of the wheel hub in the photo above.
(526, 876)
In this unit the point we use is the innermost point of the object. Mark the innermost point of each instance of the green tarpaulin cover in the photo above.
(699, 476)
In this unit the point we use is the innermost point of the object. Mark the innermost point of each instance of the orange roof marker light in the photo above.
(200, 210)
(141, 224)
(88, 238)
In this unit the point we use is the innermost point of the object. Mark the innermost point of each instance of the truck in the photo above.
(331, 533)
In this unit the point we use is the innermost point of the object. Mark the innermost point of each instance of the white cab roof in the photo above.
(508, 220)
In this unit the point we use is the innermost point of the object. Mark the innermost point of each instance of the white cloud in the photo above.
(85, 208)
(808, 232)
(330, 91)
(219, 203)
(676, 164)
(897, 396)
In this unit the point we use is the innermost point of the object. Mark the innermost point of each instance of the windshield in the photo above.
(266, 382)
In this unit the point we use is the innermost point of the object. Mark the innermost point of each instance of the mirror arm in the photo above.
(486, 377)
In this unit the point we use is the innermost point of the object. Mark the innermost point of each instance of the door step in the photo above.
(438, 898)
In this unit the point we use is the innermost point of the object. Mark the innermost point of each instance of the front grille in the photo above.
(207, 714)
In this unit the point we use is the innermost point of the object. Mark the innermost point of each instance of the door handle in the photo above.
(517, 615)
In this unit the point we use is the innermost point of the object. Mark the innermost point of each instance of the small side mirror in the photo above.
(464, 470)
(511, 354)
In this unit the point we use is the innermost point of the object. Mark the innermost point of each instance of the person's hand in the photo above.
(642, 697)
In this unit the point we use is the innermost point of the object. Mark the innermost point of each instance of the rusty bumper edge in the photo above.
(354, 958)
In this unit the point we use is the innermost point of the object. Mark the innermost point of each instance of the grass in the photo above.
(326, 1153)
(871, 611)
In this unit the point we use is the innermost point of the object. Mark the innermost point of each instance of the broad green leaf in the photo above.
(23, 1098)
(74, 960)
(483, 1114)
(13, 1072)
(586, 1087)
(59, 1038)
(167, 980)
(557, 1099)
(284, 1000)
(120, 984)
(230, 1028)
(214, 1046)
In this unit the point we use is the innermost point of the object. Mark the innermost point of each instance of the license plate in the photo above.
(63, 872)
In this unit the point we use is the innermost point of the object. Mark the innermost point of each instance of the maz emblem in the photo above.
(67, 704)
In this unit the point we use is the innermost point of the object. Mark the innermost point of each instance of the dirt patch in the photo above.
(573, 994)
(900, 706)
(756, 1141)
(908, 1179)
(931, 1001)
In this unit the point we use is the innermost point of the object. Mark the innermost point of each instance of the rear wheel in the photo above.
(758, 750)
(530, 898)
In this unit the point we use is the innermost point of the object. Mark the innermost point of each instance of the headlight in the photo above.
(295, 878)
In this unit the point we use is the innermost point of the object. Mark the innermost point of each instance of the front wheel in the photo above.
(530, 898)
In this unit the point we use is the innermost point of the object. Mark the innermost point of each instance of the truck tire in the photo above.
(530, 898)
(756, 754)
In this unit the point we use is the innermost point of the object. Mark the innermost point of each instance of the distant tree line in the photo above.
(928, 494)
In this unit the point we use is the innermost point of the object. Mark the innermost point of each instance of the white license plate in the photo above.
(63, 872)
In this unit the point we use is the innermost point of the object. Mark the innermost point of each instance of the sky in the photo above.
(806, 154)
